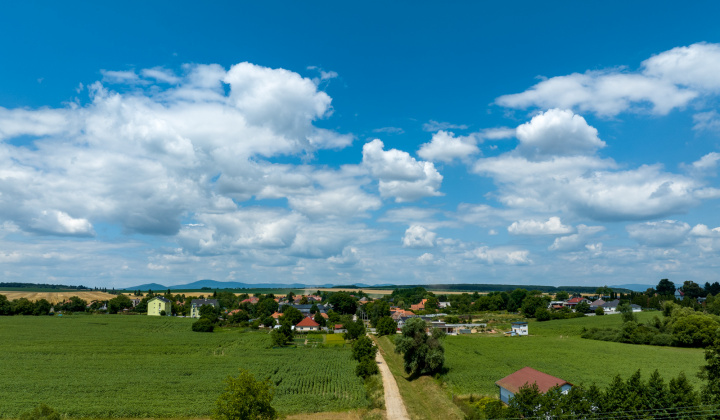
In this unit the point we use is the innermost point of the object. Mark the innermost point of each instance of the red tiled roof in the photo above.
(324, 315)
(276, 315)
(576, 300)
(307, 322)
(338, 326)
(528, 375)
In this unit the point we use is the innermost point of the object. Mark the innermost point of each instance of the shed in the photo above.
(307, 324)
(512, 383)
(519, 328)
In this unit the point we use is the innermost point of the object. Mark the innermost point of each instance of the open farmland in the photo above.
(56, 297)
(139, 366)
(555, 347)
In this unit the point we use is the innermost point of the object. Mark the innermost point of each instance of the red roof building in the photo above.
(574, 301)
(307, 324)
(512, 383)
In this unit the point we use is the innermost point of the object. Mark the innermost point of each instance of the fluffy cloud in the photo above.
(661, 234)
(445, 147)
(502, 255)
(584, 184)
(709, 121)
(557, 132)
(577, 240)
(55, 222)
(666, 81)
(400, 175)
(553, 226)
(146, 158)
(417, 236)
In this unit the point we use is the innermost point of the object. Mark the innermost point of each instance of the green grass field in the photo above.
(555, 347)
(138, 366)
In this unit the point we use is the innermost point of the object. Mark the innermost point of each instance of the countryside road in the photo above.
(394, 405)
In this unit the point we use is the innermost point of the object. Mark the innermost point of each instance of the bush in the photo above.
(203, 325)
(245, 398)
(599, 311)
(366, 368)
(41, 412)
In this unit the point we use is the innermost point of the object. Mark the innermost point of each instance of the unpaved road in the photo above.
(394, 405)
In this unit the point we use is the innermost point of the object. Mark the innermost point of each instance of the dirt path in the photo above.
(394, 405)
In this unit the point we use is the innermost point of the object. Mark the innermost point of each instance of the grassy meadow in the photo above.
(475, 362)
(142, 367)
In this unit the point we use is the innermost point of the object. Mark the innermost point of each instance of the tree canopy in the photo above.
(244, 398)
(422, 353)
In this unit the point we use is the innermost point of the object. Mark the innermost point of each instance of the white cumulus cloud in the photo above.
(446, 147)
(417, 236)
(557, 132)
(552, 226)
(664, 233)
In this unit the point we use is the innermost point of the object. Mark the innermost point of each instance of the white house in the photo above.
(519, 328)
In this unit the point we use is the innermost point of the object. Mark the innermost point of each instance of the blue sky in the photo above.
(557, 143)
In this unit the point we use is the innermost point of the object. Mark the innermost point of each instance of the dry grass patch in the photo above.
(57, 297)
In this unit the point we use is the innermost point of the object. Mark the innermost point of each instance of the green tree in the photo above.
(583, 307)
(320, 319)
(386, 326)
(562, 295)
(118, 303)
(6, 308)
(599, 311)
(23, 306)
(421, 353)
(542, 314)
(627, 313)
(343, 303)
(284, 334)
(354, 329)
(363, 348)
(532, 303)
(292, 314)
(209, 312)
(366, 368)
(711, 374)
(245, 398)
(42, 307)
(76, 304)
(665, 288)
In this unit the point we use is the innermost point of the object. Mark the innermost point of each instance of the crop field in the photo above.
(56, 296)
(141, 367)
(555, 347)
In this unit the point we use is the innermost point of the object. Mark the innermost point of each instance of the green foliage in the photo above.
(41, 412)
(283, 335)
(343, 303)
(711, 374)
(386, 326)
(354, 329)
(665, 288)
(320, 319)
(421, 353)
(363, 348)
(203, 325)
(366, 368)
(599, 311)
(245, 398)
(187, 368)
(562, 295)
(583, 308)
(118, 303)
(5, 306)
(531, 304)
(542, 314)
(291, 315)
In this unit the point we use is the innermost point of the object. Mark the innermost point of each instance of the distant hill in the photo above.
(148, 286)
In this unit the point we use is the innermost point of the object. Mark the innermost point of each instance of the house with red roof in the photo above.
(572, 303)
(307, 324)
(276, 315)
(527, 376)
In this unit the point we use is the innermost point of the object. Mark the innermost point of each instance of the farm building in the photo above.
(195, 305)
(158, 304)
(307, 324)
(519, 328)
(512, 383)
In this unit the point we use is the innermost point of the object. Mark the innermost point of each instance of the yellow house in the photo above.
(158, 304)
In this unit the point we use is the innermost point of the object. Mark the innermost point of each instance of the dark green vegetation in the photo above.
(422, 353)
(475, 362)
(439, 288)
(679, 327)
(33, 287)
(140, 366)
(245, 397)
